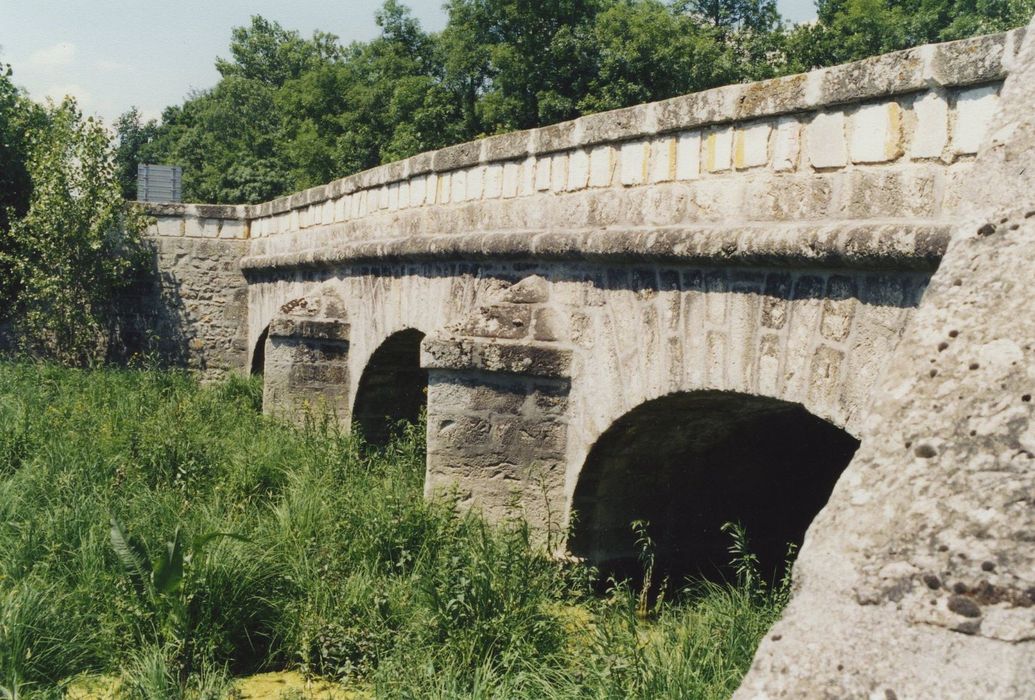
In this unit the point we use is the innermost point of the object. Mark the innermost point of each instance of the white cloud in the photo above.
(56, 56)
(58, 92)
(107, 66)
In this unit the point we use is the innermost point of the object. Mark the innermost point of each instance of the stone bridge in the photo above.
(679, 312)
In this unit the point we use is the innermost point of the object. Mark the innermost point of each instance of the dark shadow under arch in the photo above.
(393, 387)
(259, 353)
(689, 462)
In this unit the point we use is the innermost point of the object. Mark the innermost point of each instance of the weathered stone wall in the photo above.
(918, 578)
(758, 246)
(193, 310)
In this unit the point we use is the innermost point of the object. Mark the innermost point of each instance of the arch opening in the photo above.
(688, 463)
(393, 387)
(258, 367)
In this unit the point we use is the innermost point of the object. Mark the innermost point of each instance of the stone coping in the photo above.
(238, 212)
(881, 245)
(499, 357)
(953, 64)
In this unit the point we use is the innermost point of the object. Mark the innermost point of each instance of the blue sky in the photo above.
(112, 54)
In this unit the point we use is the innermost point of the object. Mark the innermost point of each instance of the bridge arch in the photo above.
(258, 361)
(392, 387)
(688, 462)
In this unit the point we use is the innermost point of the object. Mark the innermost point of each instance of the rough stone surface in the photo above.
(765, 244)
(918, 578)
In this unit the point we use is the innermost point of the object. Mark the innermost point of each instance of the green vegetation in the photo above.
(290, 112)
(329, 562)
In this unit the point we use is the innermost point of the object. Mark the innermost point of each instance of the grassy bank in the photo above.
(250, 546)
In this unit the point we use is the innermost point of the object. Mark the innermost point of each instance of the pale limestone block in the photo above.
(601, 166)
(542, 173)
(634, 162)
(432, 188)
(208, 228)
(559, 172)
(718, 150)
(662, 159)
(459, 186)
(445, 189)
(528, 176)
(404, 194)
(493, 181)
(876, 133)
(974, 111)
(475, 183)
(231, 229)
(354, 202)
(511, 179)
(393, 197)
(688, 156)
(296, 221)
(382, 197)
(339, 209)
(328, 211)
(786, 144)
(171, 227)
(751, 146)
(419, 190)
(363, 208)
(825, 140)
(932, 126)
(578, 169)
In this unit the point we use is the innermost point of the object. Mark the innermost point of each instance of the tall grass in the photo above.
(341, 569)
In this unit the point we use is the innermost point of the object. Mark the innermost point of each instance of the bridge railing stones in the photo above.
(884, 141)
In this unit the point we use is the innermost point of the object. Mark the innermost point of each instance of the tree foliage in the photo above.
(76, 246)
(292, 112)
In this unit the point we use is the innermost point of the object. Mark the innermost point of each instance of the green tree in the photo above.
(848, 30)
(134, 136)
(515, 64)
(77, 245)
(648, 52)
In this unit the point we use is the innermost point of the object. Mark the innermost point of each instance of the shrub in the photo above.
(76, 247)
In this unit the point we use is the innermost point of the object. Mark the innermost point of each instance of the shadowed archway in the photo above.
(393, 387)
(688, 463)
(258, 367)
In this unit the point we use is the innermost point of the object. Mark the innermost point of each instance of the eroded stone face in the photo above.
(918, 578)
(768, 241)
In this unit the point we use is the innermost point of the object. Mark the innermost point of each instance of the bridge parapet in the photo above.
(864, 146)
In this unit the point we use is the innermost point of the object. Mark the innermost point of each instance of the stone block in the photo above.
(445, 189)
(475, 183)
(601, 166)
(404, 194)
(578, 169)
(172, 227)
(459, 187)
(493, 181)
(975, 108)
(751, 146)
(393, 197)
(786, 144)
(558, 172)
(633, 156)
(528, 175)
(688, 156)
(718, 150)
(931, 132)
(542, 174)
(825, 141)
(876, 133)
(510, 321)
(662, 159)
(511, 179)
